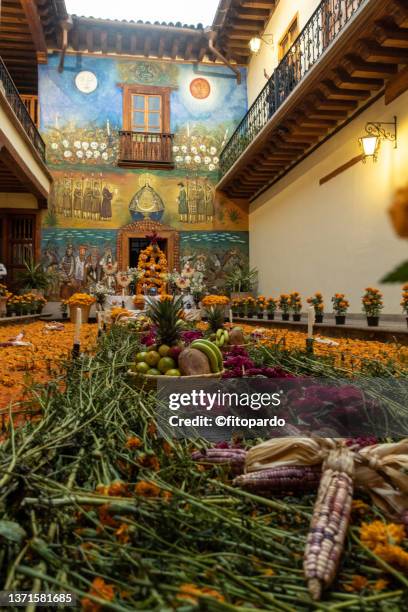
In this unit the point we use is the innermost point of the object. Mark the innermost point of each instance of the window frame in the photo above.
(148, 91)
(287, 32)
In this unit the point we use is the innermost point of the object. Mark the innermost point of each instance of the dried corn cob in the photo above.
(232, 456)
(280, 480)
(330, 521)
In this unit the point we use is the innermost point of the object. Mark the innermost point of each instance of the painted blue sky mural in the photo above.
(225, 103)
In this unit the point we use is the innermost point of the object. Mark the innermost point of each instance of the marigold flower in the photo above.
(134, 442)
(147, 489)
(358, 583)
(99, 588)
(193, 593)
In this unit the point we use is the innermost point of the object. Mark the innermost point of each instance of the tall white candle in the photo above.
(123, 294)
(99, 320)
(230, 315)
(310, 322)
(108, 127)
(78, 323)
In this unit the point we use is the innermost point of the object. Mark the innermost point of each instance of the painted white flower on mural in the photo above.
(176, 149)
(207, 160)
(104, 155)
(203, 148)
(184, 149)
(89, 154)
(67, 154)
(102, 146)
(96, 154)
(79, 154)
(197, 159)
(213, 150)
(211, 167)
(65, 144)
(94, 145)
(77, 144)
(179, 158)
(85, 145)
(187, 159)
(54, 145)
(215, 160)
(194, 150)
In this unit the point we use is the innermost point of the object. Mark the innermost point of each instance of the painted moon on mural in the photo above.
(86, 81)
(200, 88)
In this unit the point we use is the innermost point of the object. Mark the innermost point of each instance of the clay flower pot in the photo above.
(372, 321)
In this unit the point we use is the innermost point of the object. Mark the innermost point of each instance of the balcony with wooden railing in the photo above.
(146, 149)
(25, 108)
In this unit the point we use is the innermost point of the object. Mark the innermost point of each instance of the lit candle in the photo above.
(99, 321)
(107, 127)
(188, 130)
(78, 323)
(310, 322)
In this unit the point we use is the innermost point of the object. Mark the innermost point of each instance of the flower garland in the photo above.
(153, 264)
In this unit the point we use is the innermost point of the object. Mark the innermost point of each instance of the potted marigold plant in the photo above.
(404, 301)
(271, 305)
(82, 301)
(296, 305)
(251, 306)
(4, 295)
(372, 305)
(340, 307)
(317, 302)
(235, 305)
(260, 306)
(284, 305)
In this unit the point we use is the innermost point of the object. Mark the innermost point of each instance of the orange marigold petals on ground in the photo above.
(193, 593)
(134, 442)
(358, 583)
(99, 588)
(147, 489)
(123, 533)
(377, 532)
(380, 584)
(105, 518)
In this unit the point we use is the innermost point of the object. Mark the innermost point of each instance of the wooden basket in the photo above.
(148, 382)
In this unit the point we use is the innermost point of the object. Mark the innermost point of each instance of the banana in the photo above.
(216, 350)
(226, 336)
(220, 332)
(209, 352)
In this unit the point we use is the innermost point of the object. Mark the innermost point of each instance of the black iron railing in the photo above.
(320, 31)
(9, 90)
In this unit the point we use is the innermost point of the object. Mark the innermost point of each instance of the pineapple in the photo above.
(166, 316)
(215, 316)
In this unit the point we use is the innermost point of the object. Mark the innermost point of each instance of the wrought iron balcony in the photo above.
(319, 33)
(9, 90)
(145, 149)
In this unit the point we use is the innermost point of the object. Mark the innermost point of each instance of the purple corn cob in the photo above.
(284, 479)
(235, 457)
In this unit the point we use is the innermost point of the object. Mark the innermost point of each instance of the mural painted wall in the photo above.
(81, 113)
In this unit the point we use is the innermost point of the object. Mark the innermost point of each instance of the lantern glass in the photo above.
(255, 44)
(369, 145)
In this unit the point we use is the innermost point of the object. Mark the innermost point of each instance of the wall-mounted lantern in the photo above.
(256, 42)
(376, 132)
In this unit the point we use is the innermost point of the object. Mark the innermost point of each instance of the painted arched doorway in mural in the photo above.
(133, 238)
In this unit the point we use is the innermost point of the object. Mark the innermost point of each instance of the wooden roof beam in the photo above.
(388, 36)
(342, 79)
(36, 30)
(357, 67)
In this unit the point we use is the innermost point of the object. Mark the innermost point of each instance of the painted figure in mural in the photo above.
(209, 200)
(182, 203)
(50, 265)
(78, 199)
(109, 268)
(67, 270)
(96, 201)
(88, 200)
(67, 197)
(106, 208)
(201, 203)
(192, 202)
(92, 266)
(79, 274)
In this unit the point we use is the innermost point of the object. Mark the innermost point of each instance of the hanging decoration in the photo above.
(153, 263)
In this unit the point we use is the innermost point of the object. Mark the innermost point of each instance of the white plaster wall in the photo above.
(267, 58)
(338, 236)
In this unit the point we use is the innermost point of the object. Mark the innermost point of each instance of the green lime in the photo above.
(166, 363)
(141, 356)
(152, 358)
(153, 372)
(173, 372)
(142, 367)
(163, 350)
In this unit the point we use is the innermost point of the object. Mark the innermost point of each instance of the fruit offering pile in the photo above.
(234, 337)
(201, 357)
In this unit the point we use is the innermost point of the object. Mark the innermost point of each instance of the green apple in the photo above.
(154, 372)
(165, 364)
(173, 372)
(142, 367)
(141, 356)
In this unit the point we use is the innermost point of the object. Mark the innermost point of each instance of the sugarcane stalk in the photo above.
(330, 520)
